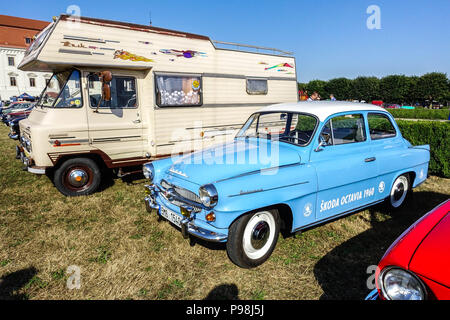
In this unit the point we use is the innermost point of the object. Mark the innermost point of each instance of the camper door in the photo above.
(115, 125)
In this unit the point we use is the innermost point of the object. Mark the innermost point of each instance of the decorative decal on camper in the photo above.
(125, 55)
(281, 65)
(188, 54)
(145, 42)
(72, 45)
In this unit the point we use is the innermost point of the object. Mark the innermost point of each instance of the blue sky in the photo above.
(329, 37)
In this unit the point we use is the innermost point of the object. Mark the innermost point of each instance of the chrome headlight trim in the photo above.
(149, 171)
(208, 195)
(405, 275)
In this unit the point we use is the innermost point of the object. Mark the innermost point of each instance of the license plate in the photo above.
(171, 216)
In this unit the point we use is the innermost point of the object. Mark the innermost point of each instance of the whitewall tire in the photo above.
(253, 237)
(399, 191)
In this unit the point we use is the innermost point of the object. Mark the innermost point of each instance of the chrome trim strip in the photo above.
(85, 53)
(265, 190)
(259, 171)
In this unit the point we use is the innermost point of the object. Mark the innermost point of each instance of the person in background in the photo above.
(332, 98)
(314, 96)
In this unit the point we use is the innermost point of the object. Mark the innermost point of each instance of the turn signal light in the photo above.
(211, 217)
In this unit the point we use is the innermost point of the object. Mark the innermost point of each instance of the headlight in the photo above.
(208, 195)
(399, 284)
(149, 171)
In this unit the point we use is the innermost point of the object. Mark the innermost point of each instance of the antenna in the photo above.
(150, 13)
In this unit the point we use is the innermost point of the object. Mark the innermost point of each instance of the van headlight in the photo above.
(399, 284)
(149, 171)
(208, 195)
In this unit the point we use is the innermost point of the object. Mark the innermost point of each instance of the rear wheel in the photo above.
(399, 192)
(253, 237)
(77, 177)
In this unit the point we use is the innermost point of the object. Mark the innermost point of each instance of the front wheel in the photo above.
(253, 237)
(77, 177)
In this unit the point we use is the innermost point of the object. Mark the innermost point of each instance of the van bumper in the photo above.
(28, 162)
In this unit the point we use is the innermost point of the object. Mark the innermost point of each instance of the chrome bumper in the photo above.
(13, 136)
(28, 163)
(188, 226)
(373, 295)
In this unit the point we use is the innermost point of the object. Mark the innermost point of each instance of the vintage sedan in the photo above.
(416, 266)
(290, 167)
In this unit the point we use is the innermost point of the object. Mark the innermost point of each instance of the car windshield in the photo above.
(62, 91)
(289, 127)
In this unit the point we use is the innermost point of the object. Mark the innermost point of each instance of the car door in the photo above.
(346, 167)
(115, 127)
(388, 148)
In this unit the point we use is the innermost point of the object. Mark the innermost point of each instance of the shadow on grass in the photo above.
(342, 273)
(11, 283)
(224, 292)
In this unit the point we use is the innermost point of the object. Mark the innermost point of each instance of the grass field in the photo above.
(125, 253)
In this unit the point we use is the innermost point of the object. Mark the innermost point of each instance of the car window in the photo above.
(344, 129)
(123, 92)
(380, 127)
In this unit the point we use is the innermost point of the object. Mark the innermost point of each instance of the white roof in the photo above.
(322, 109)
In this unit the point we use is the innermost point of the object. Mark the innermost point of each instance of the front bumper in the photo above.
(188, 225)
(373, 295)
(28, 162)
(14, 136)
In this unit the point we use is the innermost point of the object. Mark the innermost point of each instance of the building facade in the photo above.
(16, 35)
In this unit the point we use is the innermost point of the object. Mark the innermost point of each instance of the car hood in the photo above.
(233, 159)
(432, 258)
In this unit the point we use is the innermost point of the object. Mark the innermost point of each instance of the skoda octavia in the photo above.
(289, 168)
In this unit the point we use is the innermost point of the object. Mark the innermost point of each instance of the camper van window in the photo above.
(257, 86)
(123, 92)
(178, 91)
(62, 91)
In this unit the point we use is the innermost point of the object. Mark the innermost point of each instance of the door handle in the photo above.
(371, 159)
(137, 121)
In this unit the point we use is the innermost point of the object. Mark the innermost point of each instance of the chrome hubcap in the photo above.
(399, 190)
(260, 235)
(78, 178)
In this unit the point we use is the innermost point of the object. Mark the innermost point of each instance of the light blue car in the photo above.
(290, 167)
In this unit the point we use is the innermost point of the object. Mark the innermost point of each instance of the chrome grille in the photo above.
(182, 193)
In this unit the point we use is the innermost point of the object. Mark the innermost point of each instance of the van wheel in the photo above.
(399, 192)
(77, 177)
(253, 237)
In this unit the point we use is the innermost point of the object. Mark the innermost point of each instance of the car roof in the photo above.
(321, 109)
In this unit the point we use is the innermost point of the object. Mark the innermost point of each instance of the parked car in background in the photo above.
(290, 167)
(416, 266)
(15, 128)
(15, 107)
(391, 106)
(21, 114)
(378, 103)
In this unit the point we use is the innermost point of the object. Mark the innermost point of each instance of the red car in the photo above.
(417, 265)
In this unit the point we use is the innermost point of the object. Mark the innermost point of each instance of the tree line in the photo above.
(401, 89)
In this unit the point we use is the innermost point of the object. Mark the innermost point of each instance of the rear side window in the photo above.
(345, 129)
(257, 86)
(178, 91)
(380, 126)
(123, 92)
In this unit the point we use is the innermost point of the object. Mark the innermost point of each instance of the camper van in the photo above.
(121, 95)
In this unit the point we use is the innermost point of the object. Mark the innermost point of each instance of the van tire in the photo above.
(77, 177)
(245, 234)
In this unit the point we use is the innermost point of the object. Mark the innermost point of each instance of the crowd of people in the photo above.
(315, 96)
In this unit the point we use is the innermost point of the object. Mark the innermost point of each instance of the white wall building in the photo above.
(16, 34)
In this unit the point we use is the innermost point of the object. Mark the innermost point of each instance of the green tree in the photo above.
(434, 87)
(340, 87)
(319, 86)
(365, 88)
(395, 88)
